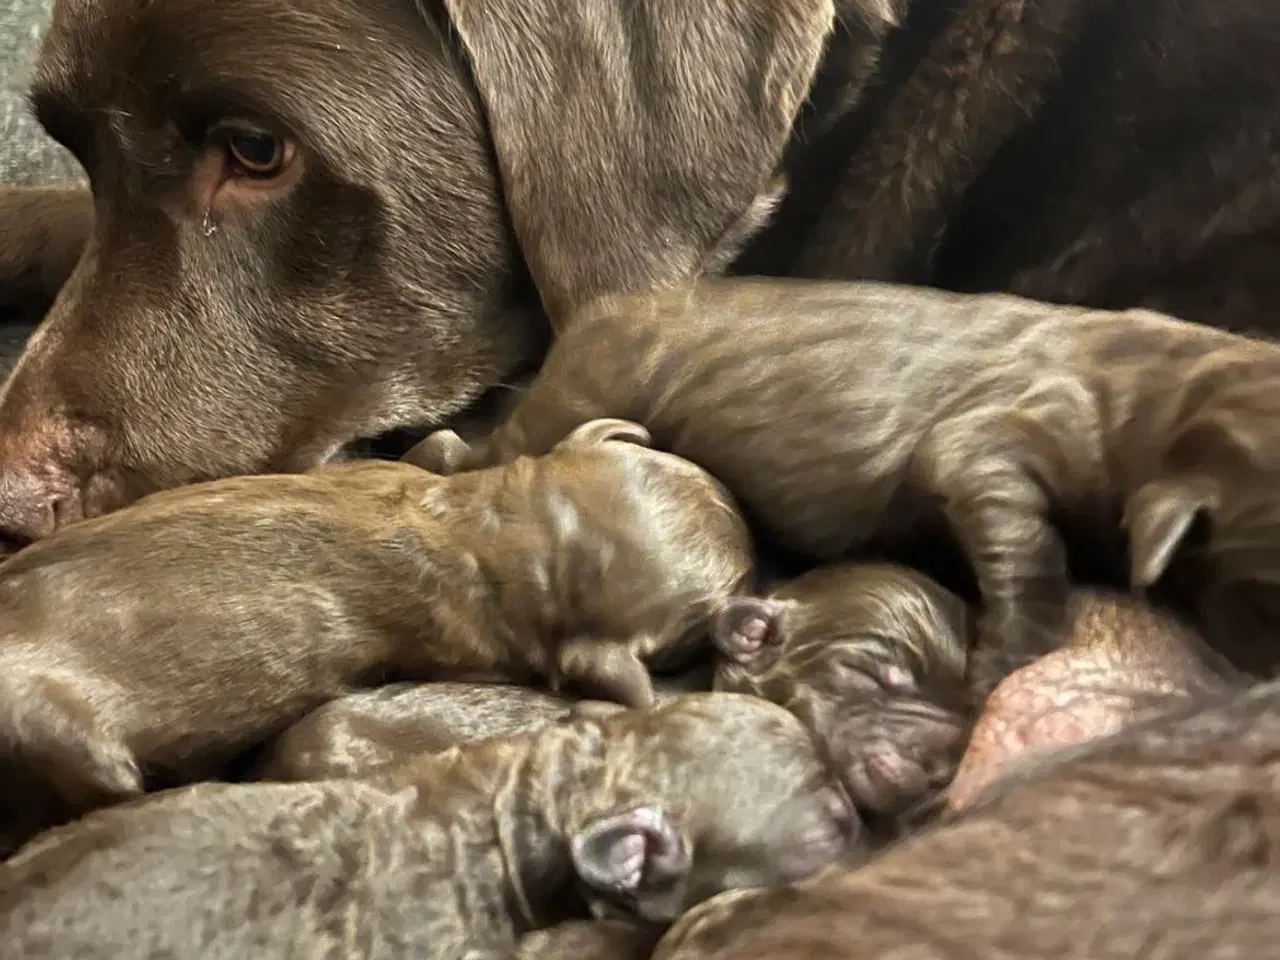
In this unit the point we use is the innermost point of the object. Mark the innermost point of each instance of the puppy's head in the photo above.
(872, 659)
(707, 792)
(317, 220)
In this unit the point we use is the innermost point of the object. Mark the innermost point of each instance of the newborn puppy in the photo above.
(589, 940)
(1159, 842)
(451, 855)
(361, 731)
(150, 645)
(1125, 661)
(846, 417)
(872, 658)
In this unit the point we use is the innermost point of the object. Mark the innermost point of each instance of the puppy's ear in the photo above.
(1158, 518)
(630, 853)
(606, 428)
(633, 137)
(442, 452)
(745, 626)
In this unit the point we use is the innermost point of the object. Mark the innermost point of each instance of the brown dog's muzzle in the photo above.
(43, 483)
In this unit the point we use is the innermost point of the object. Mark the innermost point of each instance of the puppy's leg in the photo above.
(999, 513)
(605, 669)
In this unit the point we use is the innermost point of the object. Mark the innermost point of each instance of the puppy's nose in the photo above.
(35, 499)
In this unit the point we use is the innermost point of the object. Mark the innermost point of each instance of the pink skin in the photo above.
(1124, 663)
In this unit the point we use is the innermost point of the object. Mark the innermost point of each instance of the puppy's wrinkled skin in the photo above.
(872, 658)
(42, 234)
(1159, 842)
(648, 812)
(320, 220)
(151, 644)
(1124, 661)
(589, 940)
(362, 731)
(855, 417)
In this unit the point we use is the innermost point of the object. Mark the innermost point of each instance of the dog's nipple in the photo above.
(207, 226)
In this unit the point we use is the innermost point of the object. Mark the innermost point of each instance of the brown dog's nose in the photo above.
(35, 501)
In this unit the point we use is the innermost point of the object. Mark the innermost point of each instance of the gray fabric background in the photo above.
(26, 154)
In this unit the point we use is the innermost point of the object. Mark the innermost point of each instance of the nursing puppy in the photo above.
(150, 645)
(872, 658)
(1160, 841)
(847, 417)
(451, 855)
(361, 731)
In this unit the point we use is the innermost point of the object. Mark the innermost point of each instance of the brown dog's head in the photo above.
(317, 220)
(704, 793)
(872, 658)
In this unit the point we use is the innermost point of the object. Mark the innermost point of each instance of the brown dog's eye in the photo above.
(257, 153)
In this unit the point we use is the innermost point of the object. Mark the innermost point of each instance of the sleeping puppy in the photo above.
(452, 855)
(356, 733)
(1159, 842)
(151, 645)
(872, 658)
(847, 418)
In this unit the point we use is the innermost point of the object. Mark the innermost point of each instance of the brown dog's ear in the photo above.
(606, 428)
(1158, 518)
(627, 854)
(745, 626)
(632, 137)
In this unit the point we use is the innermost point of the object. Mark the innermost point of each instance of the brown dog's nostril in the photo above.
(34, 505)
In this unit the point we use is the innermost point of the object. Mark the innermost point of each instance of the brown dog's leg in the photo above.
(998, 513)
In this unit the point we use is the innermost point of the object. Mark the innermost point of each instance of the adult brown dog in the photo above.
(316, 220)
(150, 645)
(453, 855)
(853, 417)
(1160, 842)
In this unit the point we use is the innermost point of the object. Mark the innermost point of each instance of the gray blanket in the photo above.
(26, 154)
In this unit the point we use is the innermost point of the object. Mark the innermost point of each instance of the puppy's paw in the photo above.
(745, 627)
(629, 852)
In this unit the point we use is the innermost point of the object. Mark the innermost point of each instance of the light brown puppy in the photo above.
(452, 855)
(1125, 661)
(150, 645)
(362, 731)
(1160, 842)
(872, 658)
(846, 417)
